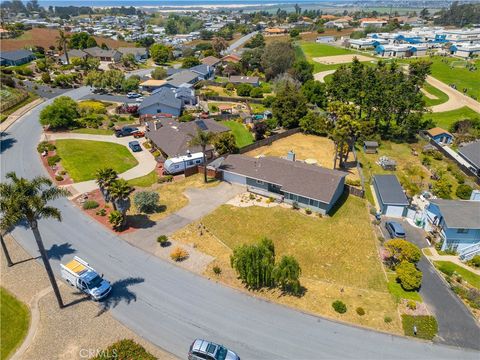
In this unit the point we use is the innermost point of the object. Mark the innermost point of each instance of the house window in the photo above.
(198, 161)
(190, 162)
(303, 200)
(176, 166)
(259, 182)
(462, 231)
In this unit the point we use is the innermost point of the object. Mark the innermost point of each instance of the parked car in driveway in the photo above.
(139, 99)
(138, 134)
(135, 146)
(133, 95)
(203, 349)
(395, 229)
(126, 131)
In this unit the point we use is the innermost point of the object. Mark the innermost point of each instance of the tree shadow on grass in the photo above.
(120, 292)
(57, 252)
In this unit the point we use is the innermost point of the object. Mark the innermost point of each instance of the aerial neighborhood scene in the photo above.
(240, 179)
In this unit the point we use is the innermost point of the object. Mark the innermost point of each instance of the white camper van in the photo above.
(178, 164)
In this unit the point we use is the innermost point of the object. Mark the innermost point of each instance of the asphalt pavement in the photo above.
(456, 325)
(171, 307)
(240, 42)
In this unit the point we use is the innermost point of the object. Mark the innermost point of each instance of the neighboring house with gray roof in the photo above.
(16, 58)
(162, 101)
(471, 153)
(185, 78)
(390, 195)
(172, 137)
(206, 72)
(140, 53)
(104, 54)
(308, 186)
(458, 222)
(73, 53)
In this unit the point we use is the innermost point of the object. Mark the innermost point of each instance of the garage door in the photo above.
(234, 178)
(394, 211)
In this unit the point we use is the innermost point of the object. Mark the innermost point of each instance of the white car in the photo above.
(132, 95)
(139, 100)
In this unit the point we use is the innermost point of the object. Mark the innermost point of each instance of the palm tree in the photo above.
(105, 178)
(62, 40)
(202, 139)
(120, 196)
(25, 200)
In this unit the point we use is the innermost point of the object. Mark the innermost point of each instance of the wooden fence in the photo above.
(268, 140)
(7, 104)
(204, 97)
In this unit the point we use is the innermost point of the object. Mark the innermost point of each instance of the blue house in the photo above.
(440, 135)
(205, 72)
(458, 225)
(16, 58)
(162, 101)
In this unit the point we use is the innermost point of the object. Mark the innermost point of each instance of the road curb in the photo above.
(12, 119)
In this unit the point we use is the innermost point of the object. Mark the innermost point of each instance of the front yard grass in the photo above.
(144, 181)
(15, 320)
(448, 268)
(82, 158)
(447, 118)
(243, 137)
(441, 96)
(397, 291)
(338, 256)
(427, 326)
(92, 131)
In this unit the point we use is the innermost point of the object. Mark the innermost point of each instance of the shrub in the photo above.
(186, 118)
(256, 93)
(59, 177)
(308, 211)
(437, 155)
(124, 349)
(90, 204)
(339, 307)
(295, 206)
(353, 182)
(217, 270)
(164, 179)
(146, 201)
(162, 240)
(409, 276)
(426, 161)
(464, 191)
(475, 261)
(251, 196)
(458, 176)
(230, 87)
(427, 326)
(52, 160)
(63, 172)
(101, 212)
(403, 250)
(116, 219)
(447, 270)
(412, 305)
(45, 146)
(179, 254)
(387, 319)
(46, 78)
(244, 89)
(91, 121)
(360, 311)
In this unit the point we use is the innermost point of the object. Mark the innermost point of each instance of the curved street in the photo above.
(170, 306)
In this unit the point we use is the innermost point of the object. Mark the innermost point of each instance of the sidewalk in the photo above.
(18, 113)
(452, 258)
(54, 333)
(146, 161)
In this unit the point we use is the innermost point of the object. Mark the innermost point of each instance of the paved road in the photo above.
(240, 42)
(170, 306)
(456, 326)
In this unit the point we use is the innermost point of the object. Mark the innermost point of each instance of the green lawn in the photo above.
(461, 77)
(93, 131)
(447, 118)
(427, 326)
(15, 320)
(243, 137)
(397, 291)
(145, 181)
(448, 268)
(442, 97)
(338, 249)
(82, 158)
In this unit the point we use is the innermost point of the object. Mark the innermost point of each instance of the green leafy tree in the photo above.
(62, 113)
(225, 143)
(464, 191)
(403, 250)
(82, 40)
(244, 89)
(128, 60)
(159, 73)
(190, 62)
(277, 58)
(160, 53)
(442, 188)
(315, 93)
(290, 106)
(315, 124)
(219, 44)
(203, 139)
(294, 33)
(287, 274)
(409, 276)
(256, 93)
(131, 83)
(26, 201)
(302, 70)
(258, 41)
(146, 201)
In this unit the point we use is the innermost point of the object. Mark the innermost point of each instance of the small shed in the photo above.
(225, 108)
(440, 135)
(370, 147)
(390, 195)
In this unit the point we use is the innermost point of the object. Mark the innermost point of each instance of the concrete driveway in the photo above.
(456, 325)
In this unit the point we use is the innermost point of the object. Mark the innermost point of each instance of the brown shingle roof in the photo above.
(210, 60)
(437, 131)
(294, 177)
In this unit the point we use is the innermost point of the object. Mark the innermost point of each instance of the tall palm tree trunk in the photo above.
(204, 164)
(5, 251)
(46, 263)
(66, 52)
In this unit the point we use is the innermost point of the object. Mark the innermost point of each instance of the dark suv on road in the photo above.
(126, 131)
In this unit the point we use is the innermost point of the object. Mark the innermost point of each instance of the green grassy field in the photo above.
(447, 118)
(442, 97)
(14, 320)
(243, 137)
(324, 252)
(82, 158)
(145, 181)
(427, 326)
(448, 267)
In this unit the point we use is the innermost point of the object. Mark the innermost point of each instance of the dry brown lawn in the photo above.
(341, 59)
(336, 265)
(319, 148)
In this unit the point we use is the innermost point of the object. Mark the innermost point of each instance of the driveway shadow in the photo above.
(120, 292)
(57, 252)
(140, 221)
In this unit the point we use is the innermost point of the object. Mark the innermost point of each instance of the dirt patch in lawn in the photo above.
(341, 59)
(305, 147)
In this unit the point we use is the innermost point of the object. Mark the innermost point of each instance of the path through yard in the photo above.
(456, 99)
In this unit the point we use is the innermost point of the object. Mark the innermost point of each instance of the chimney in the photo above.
(291, 155)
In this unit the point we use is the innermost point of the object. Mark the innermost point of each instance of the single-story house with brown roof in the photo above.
(109, 55)
(140, 53)
(172, 137)
(440, 135)
(308, 186)
(210, 61)
(241, 79)
(230, 58)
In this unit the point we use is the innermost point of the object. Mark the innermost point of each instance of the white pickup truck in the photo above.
(81, 275)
